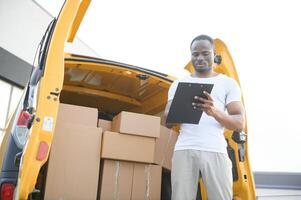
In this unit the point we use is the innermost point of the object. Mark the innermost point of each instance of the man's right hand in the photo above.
(170, 125)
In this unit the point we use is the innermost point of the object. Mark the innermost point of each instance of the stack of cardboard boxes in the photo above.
(119, 159)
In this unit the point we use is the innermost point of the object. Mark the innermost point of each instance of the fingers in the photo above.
(202, 105)
(203, 100)
(197, 104)
(208, 96)
(197, 108)
(206, 110)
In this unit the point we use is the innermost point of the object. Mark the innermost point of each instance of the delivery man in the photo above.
(201, 149)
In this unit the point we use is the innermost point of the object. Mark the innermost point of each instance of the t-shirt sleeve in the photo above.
(234, 92)
(172, 90)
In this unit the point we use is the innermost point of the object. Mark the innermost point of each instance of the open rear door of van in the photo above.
(243, 181)
(50, 83)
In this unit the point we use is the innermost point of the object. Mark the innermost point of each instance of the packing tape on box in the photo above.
(147, 179)
(116, 188)
(167, 146)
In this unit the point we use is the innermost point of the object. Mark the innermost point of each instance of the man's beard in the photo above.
(202, 70)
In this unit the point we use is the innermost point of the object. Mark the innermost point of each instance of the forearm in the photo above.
(231, 122)
(168, 125)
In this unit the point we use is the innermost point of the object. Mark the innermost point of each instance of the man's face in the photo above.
(202, 55)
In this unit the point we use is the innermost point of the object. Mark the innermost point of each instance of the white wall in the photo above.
(22, 25)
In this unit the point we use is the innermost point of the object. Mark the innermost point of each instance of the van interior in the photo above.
(113, 87)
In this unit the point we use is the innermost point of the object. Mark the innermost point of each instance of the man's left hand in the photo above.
(206, 105)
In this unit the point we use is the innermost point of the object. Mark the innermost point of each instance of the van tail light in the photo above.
(23, 118)
(7, 191)
(21, 128)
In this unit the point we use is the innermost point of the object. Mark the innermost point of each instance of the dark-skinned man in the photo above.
(201, 148)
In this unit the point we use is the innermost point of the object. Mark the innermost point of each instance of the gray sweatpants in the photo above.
(214, 168)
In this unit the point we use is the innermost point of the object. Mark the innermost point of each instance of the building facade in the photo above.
(23, 24)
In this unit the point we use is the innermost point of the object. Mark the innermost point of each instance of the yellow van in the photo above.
(112, 86)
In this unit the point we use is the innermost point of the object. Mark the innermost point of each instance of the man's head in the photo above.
(202, 53)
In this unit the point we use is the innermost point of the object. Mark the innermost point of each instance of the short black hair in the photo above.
(203, 37)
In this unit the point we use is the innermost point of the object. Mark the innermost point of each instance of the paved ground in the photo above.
(278, 194)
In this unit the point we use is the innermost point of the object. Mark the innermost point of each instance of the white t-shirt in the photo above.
(208, 135)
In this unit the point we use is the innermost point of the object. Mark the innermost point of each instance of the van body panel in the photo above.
(49, 90)
(78, 19)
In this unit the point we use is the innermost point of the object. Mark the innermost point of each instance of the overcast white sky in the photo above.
(262, 36)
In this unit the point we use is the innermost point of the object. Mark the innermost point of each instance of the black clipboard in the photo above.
(181, 110)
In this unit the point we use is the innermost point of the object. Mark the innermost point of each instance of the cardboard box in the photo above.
(73, 167)
(161, 147)
(105, 125)
(165, 147)
(136, 124)
(77, 115)
(128, 147)
(122, 180)
(116, 180)
(140, 149)
(146, 182)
